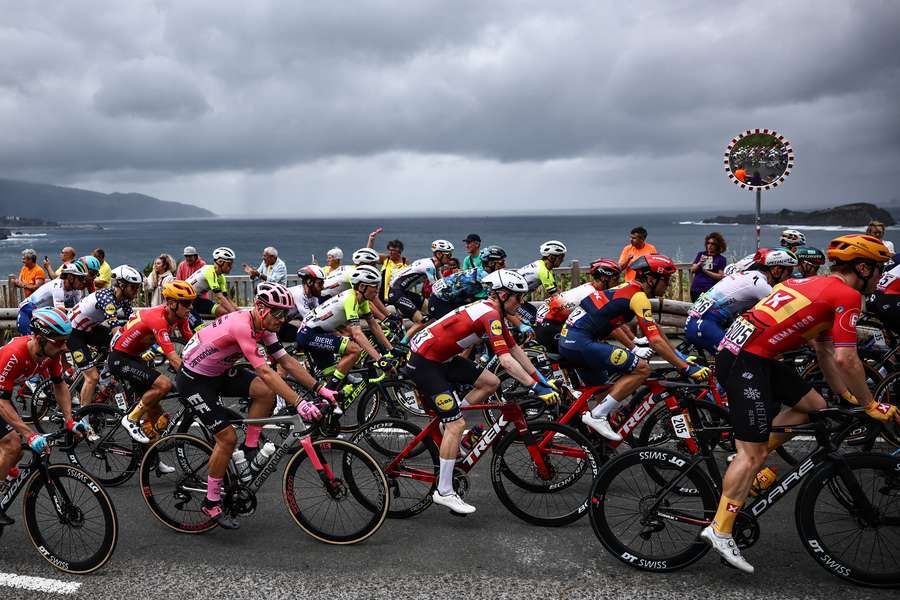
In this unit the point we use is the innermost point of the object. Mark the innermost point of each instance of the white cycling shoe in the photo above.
(600, 425)
(727, 549)
(453, 502)
(134, 430)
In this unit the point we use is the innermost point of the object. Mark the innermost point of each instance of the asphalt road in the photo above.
(489, 554)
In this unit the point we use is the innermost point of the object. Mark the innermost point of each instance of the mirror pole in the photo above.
(758, 205)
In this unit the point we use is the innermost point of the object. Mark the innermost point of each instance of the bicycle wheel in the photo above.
(72, 522)
(344, 501)
(174, 498)
(392, 399)
(889, 393)
(113, 458)
(643, 525)
(39, 404)
(560, 495)
(835, 528)
(413, 480)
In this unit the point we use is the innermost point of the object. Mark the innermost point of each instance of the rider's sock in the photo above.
(337, 380)
(252, 438)
(463, 402)
(213, 488)
(723, 523)
(603, 409)
(136, 413)
(775, 441)
(445, 481)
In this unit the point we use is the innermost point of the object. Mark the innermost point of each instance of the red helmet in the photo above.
(604, 266)
(657, 264)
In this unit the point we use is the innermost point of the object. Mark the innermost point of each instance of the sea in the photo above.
(587, 236)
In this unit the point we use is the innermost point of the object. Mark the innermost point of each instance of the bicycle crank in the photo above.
(460, 483)
(746, 530)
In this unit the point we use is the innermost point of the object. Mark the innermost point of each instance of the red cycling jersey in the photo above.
(17, 365)
(464, 327)
(890, 282)
(796, 311)
(147, 327)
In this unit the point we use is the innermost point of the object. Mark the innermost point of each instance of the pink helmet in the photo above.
(274, 295)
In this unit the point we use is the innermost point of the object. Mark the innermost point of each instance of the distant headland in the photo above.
(849, 215)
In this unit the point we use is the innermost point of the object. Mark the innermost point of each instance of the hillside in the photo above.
(40, 200)
(856, 214)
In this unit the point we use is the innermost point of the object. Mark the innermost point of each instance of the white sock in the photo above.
(445, 481)
(608, 405)
(463, 402)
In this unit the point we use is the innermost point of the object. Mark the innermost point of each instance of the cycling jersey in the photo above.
(100, 307)
(52, 293)
(603, 311)
(206, 279)
(558, 307)
(417, 273)
(464, 327)
(888, 284)
(338, 281)
(303, 304)
(338, 312)
(731, 296)
(461, 287)
(741, 265)
(537, 274)
(217, 347)
(796, 311)
(17, 365)
(146, 328)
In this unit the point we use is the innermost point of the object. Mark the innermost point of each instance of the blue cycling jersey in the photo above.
(461, 287)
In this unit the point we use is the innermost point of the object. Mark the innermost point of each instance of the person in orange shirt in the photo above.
(636, 248)
(31, 276)
(740, 174)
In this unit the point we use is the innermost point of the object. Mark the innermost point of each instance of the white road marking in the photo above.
(38, 584)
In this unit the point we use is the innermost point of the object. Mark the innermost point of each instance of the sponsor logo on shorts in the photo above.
(444, 401)
(618, 357)
(78, 356)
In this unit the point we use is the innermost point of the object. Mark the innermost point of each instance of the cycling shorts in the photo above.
(321, 345)
(139, 375)
(435, 379)
(704, 333)
(887, 308)
(408, 303)
(437, 308)
(594, 360)
(528, 312)
(80, 343)
(547, 334)
(202, 395)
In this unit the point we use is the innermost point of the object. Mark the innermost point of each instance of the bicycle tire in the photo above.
(79, 495)
(824, 502)
(888, 391)
(113, 459)
(356, 476)
(635, 548)
(384, 439)
(568, 489)
(392, 399)
(42, 398)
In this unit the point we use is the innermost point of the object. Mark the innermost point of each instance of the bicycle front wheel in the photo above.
(115, 456)
(854, 532)
(336, 493)
(71, 522)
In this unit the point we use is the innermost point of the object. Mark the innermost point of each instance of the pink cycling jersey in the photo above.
(216, 347)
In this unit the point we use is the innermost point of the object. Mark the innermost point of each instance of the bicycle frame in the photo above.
(38, 464)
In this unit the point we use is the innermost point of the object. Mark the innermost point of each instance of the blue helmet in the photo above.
(49, 322)
(492, 253)
(91, 263)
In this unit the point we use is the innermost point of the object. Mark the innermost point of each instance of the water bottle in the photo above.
(764, 480)
(470, 439)
(262, 457)
(10, 477)
(240, 465)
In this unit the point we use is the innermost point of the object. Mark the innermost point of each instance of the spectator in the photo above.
(102, 280)
(31, 276)
(162, 273)
(473, 247)
(876, 229)
(67, 254)
(709, 265)
(636, 248)
(452, 266)
(392, 264)
(271, 268)
(333, 260)
(191, 263)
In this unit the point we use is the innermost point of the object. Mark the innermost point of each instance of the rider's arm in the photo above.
(223, 301)
(356, 333)
(63, 399)
(378, 308)
(296, 370)
(9, 414)
(660, 344)
(852, 375)
(842, 338)
(619, 334)
(275, 383)
(513, 365)
(378, 332)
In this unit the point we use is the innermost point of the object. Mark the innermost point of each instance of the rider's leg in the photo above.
(226, 440)
(486, 384)
(622, 388)
(91, 379)
(262, 403)
(10, 452)
(795, 415)
(149, 403)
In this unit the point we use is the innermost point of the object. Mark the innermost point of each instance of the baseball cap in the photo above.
(189, 251)
(472, 237)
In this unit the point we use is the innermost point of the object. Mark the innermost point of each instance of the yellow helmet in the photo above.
(179, 290)
(858, 247)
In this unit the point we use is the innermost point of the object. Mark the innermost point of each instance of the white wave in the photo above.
(22, 235)
(702, 223)
(783, 226)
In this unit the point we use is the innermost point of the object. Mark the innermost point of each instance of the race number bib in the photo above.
(438, 286)
(737, 335)
(703, 304)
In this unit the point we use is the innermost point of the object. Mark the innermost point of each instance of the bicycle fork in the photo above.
(334, 486)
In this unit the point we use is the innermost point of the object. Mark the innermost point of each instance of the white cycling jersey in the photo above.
(416, 274)
(740, 266)
(52, 294)
(731, 296)
(338, 312)
(303, 304)
(337, 281)
(558, 307)
(889, 282)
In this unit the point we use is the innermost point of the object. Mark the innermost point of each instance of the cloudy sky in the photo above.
(400, 106)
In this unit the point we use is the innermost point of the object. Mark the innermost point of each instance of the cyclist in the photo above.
(306, 298)
(552, 314)
(884, 303)
(715, 309)
(810, 259)
(463, 287)
(146, 328)
(822, 311)
(92, 319)
(791, 239)
(598, 316)
(21, 359)
(338, 280)
(212, 278)
(92, 266)
(208, 372)
(540, 273)
(408, 302)
(62, 292)
(334, 327)
(436, 365)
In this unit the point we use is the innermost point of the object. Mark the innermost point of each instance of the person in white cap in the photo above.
(333, 260)
(191, 263)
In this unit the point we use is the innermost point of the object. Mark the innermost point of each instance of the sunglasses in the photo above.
(186, 303)
(57, 341)
(279, 314)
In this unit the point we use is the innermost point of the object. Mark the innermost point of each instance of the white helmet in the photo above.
(365, 256)
(335, 253)
(740, 266)
(126, 274)
(365, 274)
(223, 253)
(792, 237)
(505, 279)
(777, 257)
(441, 246)
(553, 248)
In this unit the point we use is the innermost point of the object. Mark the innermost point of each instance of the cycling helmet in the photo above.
(553, 248)
(811, 255)
(90, 262)
(366, 274)
(858, 247)
(505, 279)
(73, 268)
(492, 253)
(274, 295)
(775, 257)
(125, 274)
(50, 322)
(365, 256)
(179, 290)
(792, 237)
(441, 246)
(655, 264)
(313, 272)
(223, 253)
(604, 266)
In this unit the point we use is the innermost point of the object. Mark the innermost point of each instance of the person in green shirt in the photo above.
(473, 247)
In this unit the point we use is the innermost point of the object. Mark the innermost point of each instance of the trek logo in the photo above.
(636, 417)
(777, 298)
(485, 441)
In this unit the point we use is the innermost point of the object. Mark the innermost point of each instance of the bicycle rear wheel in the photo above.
(72, 523)
(641, 523)
(112, 459)
(834, 526)
(343, 502)
(39, 404)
